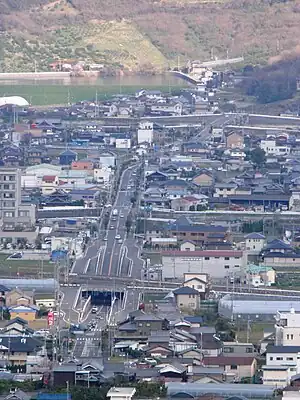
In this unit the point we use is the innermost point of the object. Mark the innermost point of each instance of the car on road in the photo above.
(94, 310)
(120, 241)
(121, 215)
(105, 239)
(117, 237)
(111, 227)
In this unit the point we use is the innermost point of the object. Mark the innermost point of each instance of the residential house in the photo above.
(200, 234)
(287, 328)
(50, 184)
(237, 349)
(255, 242)
(29, 312)
(195, 149)
(279, 254)
(235, 140)
(199, 281)
(17, 326)
(82, 165)
(187, 298)
(225, 189)
(234, 366)
(16, 349)
(67, 157)
(141, 325)
(156, 176)
(270, 147)
(18, 297)
(260, 275)
(195, 202)
(203, 179)
(35, 155)
(282, 362)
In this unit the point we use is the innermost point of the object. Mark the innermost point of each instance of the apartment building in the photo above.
(13, 214)
(287, 328)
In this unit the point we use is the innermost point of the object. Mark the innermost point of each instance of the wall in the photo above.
(175, 267)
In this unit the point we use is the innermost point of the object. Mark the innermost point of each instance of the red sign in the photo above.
(50, 318)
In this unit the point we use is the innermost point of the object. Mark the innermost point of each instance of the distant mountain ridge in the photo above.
(144, 34)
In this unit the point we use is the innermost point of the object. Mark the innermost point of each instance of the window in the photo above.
(249, 350)
(228, 350)
(279, 358)
(227, 258)
(271, 358)
(292, 337)
(226, 266)
(206, 258)
(9, 214)
(288, 337)
(236, 266)
(233, 366)
(289, 359)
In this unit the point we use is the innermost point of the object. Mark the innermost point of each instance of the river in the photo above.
(162, 80)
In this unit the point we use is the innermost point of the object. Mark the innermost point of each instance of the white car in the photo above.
(118, 237)
(121, 215)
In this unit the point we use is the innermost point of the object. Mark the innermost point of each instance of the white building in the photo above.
(216, 263)
(255, 242)
(123, 143)
(121, 393)
(287, 328)
(43, 169)
(270, 148)
(102, 175)
(30, 181)
(145, 132)
(282, 362)
(107, 159)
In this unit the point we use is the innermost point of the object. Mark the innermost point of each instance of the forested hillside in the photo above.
(144, 34)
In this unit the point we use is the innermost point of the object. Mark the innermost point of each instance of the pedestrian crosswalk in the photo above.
(84, 339)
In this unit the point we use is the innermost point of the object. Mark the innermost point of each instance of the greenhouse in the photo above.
(255, 307)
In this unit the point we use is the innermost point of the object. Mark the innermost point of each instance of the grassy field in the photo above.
(23, 268)
(255, 333)
(55, 94)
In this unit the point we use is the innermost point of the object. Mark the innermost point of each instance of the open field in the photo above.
(46, 94)
(25, 268)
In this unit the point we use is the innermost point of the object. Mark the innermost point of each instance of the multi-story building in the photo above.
(287, 328)
(13, 214)
(218, 264)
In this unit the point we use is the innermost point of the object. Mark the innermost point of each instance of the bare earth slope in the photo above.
(144, 34)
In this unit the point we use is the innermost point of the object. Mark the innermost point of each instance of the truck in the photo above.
(115, 212)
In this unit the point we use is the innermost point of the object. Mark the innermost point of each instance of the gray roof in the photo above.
(226, 389)
(186, 290)
(283, 349)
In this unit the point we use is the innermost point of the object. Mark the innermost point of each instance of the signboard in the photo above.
(50, 318)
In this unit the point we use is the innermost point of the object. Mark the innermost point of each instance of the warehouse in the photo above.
(256, 307)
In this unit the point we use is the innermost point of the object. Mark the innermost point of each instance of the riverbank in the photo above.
(41, 93)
